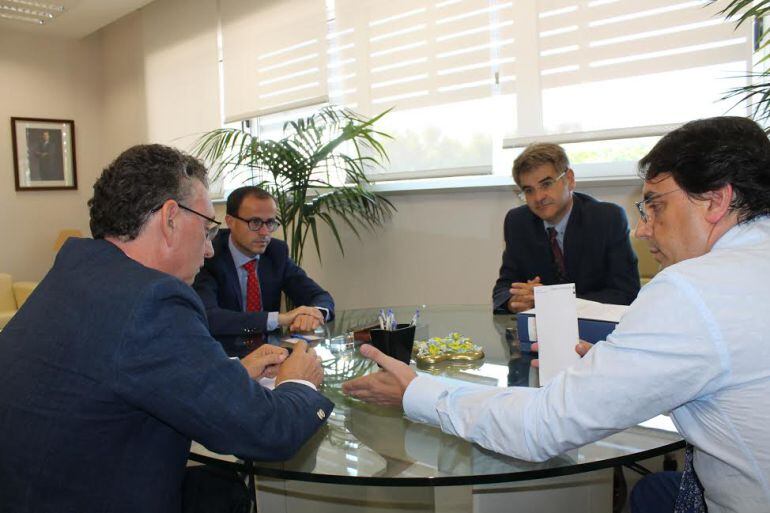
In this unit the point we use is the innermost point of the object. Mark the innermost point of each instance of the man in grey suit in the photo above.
(108, 370)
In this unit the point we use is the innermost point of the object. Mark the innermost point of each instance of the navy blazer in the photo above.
(217, 285)
(106, 374)
(597, 253)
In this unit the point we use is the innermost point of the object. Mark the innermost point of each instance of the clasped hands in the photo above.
(523, 295)
(302, 318)
(270, 361)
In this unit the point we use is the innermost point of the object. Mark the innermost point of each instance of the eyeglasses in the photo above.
(644, 205)
(255, 223)
(543, 186)
(211, 230)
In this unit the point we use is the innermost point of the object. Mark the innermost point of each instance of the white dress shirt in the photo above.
(696, 342)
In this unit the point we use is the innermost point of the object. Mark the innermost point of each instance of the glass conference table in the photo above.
(362, 444)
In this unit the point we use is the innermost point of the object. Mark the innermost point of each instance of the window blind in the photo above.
(409, 53)
(274, 55)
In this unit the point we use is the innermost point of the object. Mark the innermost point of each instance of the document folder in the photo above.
(595, 322)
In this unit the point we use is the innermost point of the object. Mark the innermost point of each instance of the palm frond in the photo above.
(756, 94)
(331, 141)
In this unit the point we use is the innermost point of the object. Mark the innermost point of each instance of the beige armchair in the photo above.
(12, 296)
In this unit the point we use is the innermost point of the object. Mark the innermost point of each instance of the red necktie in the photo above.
(253, 296)
(558, 256)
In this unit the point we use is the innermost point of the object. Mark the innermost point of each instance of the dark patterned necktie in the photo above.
(253, 294)
(558, 256)
(690, 498)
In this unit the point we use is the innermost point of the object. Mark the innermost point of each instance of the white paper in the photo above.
(594, 311)
(600, 311)
(557, 329)
(662, 422)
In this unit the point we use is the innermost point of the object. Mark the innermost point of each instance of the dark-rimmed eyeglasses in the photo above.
(255, 223)
(543, 186)
(211, 229)
(642, 206)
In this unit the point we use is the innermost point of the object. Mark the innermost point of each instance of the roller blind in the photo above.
(408, 53)
(629, 63)
(274, 55)
(463, 75)
(586, 41)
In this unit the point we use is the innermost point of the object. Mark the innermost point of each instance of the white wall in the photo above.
(160, 75)
(151, 76)
(46, 78)
(441, 247)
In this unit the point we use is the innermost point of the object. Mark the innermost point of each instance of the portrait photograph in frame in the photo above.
(44, 154)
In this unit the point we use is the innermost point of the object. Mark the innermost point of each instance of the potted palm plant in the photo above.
(756, 94)
(316, 172)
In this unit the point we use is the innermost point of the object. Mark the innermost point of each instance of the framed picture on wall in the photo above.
(44, 154)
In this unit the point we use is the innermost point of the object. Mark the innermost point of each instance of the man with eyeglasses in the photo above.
(695, 343)
(562, 236)
(241, 284)
(108, 370)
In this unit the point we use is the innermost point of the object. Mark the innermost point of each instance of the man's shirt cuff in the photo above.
(421, 397)
(300, 381)
(325, 312)
(272, 321)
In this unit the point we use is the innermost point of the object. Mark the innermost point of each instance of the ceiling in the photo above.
(79, 19)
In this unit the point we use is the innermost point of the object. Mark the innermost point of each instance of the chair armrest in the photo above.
(5, 316)
(22, 290)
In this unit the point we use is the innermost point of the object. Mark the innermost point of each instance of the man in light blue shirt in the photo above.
(696, 341)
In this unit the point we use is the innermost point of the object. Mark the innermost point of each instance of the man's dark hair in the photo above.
(236, 197)
(141, 179)
(707, 154)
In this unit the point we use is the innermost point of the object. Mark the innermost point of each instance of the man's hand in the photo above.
(264, 362)
(581, 348)
(301, 364)
(385, 387)
(523, 295)
(302, 318)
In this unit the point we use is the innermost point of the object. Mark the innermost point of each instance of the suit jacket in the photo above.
(217, 285)
(106, 374)
(597, 253)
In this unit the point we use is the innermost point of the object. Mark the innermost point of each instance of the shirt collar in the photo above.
(561, 226)
(738, 232)
(239, 259)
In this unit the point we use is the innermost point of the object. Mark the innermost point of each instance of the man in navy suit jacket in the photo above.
(223, 282)
(108, 370)
(591, 238)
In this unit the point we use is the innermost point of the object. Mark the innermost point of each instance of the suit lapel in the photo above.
(573, 239)
(543, 259)
(231, 274)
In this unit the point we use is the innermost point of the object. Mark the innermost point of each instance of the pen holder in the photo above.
(397, 343)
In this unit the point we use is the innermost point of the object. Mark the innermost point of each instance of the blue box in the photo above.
(589, 330)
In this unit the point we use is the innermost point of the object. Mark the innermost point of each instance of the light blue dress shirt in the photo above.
(240, 259)
(696, 343)
(560, 227)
